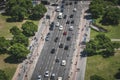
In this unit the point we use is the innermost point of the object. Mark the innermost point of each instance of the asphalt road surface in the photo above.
(46, 61)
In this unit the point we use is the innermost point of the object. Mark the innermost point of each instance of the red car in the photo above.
(65, 33)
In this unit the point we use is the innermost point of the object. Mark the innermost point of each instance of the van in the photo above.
(60, 15)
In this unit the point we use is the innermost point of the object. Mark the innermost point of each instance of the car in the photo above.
(72, 22)
(46, 74)
(74, 9)
(75, 2)
(47, 37)
(71, 16)
(52, 26)
(71, 28)
(66, 47)
(70, 3)
(56, 39)
(64, 33)
(59, 78)
(61, 45)
(65, 16)
(53, 76)
(61, 27)
(66, 4)
(67, 22)
(39, 77)
(68, 38)
(57, 24)
(57, 60)
(53, 50)
(63, 63)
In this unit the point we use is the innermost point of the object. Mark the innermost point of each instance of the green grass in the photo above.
(7, 67)
(113, 31)
(5, 26)
(104, 67)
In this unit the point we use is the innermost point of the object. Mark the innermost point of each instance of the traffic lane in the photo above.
(42, 59)
(60, 70)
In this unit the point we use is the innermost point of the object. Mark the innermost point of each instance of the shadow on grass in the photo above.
(13, 60)
(117, 75)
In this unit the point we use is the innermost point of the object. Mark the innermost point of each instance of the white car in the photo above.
(47, 74)
(61, 27)
(63, 62)
(57, 24)
(59, 78)
(71, 28)
(74, 9)
(58, 8)
(39, 77)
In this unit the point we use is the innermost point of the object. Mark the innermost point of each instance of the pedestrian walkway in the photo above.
(25, 69)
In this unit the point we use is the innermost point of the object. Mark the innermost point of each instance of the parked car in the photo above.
(63, 63)
(71, 28)
(68, 38)
(66, 47)
(64, 33)
(57, 24)
(39, 77)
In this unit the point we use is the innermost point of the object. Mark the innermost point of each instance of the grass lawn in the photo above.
(113, 31)
(104, 67)
(5, 26)
(7, 67)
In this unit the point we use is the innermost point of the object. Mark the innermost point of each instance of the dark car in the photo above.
(68, 38)
(52, 26)
(61, 45)
(66, 47)
(65, 16)
(65, 33)
(67, 22)
(56, 39)
(75, 2)
(53, 50)
(72, 22)
(71, 16)
(57, 60)
(70, 3)
(66, 4)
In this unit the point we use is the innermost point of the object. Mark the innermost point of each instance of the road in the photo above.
(46, 61)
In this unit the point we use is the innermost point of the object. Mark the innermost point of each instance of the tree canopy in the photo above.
(38, 11)
(101, 45)
(15, 30)
(20, 38)
(4, 45)
(29, 28)
(3, 75)
(18, 51)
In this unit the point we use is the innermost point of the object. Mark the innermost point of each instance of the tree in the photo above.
(111, 16)
(20, 38)
(96, 77)
(18, 51)
(97, 8)
(4, 45)
(29, 28)
(18, 9)
(18, 13)
(38, 11)
(15, 30)
(3, 75)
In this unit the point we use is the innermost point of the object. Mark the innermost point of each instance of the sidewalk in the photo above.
(25, 69)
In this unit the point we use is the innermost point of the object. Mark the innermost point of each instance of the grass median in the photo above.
(104, 67)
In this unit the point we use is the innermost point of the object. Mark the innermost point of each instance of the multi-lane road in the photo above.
(46, 61)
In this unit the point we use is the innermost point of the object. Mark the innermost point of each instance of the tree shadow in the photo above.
(13, 60)
(117, 75)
